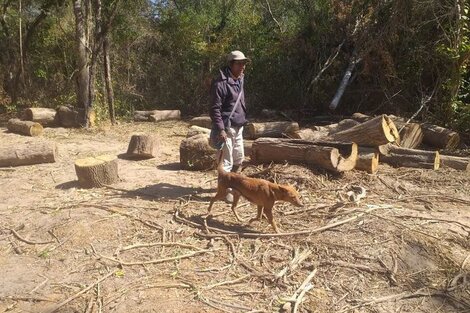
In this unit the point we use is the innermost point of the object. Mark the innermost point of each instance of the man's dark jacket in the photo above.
(224, 94)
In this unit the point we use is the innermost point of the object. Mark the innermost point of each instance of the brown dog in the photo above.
(258, 191)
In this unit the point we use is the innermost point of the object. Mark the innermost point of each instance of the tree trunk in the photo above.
(97, 171)
(458, 163)
(143, 146)
(270, 129)
(201, 121)
(27, 128)
(164, 115)
(319, 153)
(196, 154)
(367, 161)
(403, 157)
(28, 154)
(83, 71)
(108, 80)
(375, 132)
(440, 137)
(67, 116)
(43, 116)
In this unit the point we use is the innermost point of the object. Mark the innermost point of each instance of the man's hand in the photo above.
(223, 135)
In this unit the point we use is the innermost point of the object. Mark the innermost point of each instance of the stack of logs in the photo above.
(355, 143)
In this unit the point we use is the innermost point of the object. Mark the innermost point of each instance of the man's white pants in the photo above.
(233, 150)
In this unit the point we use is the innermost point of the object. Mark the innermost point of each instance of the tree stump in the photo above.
(440, 137)
(196, 130)
(270, 129)
(43, 116)
(68, 116)
(201, 121)
(458, 163)
(97, 171)
(27, 128)
(28, 154)
(374, 132)
(367, 160)
(164, 115)
(142, 146)
(333, 156)
(196, 154)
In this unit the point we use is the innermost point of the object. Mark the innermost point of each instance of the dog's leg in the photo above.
(218, 196)
(259, 216)
(268, 210)
(236, 197)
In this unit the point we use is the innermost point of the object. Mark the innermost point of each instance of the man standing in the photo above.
(228, 111)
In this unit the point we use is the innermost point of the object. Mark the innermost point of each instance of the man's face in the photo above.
(237, 68)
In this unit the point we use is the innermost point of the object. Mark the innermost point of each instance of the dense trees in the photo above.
(403, 56)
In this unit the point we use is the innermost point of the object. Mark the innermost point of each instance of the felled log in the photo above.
(142, 116)
(68, 116)
(337, 127)
(27, 128)
(404, 157)
(43, 116)
(143, 146)
(458, 163)
(440, 137)
(201, 121)
(248, 147)
(196, 154)
(411, 135)
(367, 160)
(97, 171)
(28, 154)
(165, 115)
(375, 132)
(270, 129)
(309, 134)
(333, 156)
(195, 130)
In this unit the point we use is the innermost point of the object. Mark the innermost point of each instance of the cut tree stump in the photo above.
(143, 146)
(28, 154)
(97, 171)
(196, 154)
(201, 121)
(270, 129)
(196, 130)
(440, 137)
(333, 156)
(374, 132)
(67, 116)
(367, 160)
(404, 157)
(43, 116)
(27, 128)
(458, 163)
(165, 115)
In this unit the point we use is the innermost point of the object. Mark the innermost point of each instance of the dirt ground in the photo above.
(144, 246)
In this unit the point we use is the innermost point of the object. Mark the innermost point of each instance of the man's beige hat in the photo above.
(236, 56)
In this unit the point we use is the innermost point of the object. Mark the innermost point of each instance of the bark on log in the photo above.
(411, 135)
(28, 154)
(142, 116)
(27, 128)
(165, 115)
(323, 154)
(270, 129)
(440, 137)
(375, 132)
(403, 157)
(337, 127)
(309, 134)
(367, 160)
(458, 163)
(196, 130)
(67, 116)
(201, 121)
(43, 116)
(143, 146)
(248, 147)
(97, 171)
(196, 154)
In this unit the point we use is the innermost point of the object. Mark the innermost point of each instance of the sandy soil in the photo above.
(403, 248)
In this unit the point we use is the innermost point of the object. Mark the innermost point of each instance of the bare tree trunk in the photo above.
(108, 81)
(83, 78)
